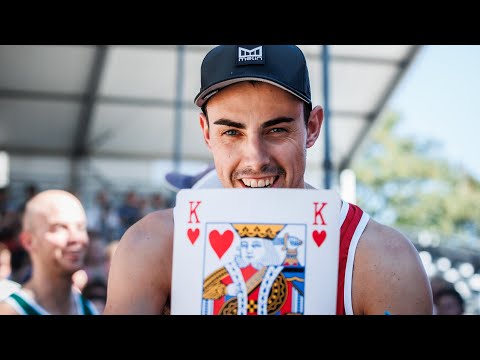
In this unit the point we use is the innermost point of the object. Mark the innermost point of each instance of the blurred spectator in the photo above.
(96, 257)
(19, 260)
(5, 261)
(128, 212)
(96, 291)
(448, 301)
(9, 236)
(9, 247)
(21, 265)
(30, 191)
(7, 287)
(143, 206)
(102, 217)
(55, 237)
(155, 202)
(4, 204)
(438, 283)
(97, 262)
(8, 214)
(93, 278)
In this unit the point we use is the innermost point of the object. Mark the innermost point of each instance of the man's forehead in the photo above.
(252, 90)
(57, 210)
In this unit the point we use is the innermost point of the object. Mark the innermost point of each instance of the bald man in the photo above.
(55, 236)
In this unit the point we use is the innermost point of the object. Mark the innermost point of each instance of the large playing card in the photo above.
(255, 252)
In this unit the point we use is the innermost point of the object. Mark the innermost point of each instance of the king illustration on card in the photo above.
(260, 252)
(264, 273)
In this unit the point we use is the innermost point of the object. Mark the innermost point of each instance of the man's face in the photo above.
(257, 136)
(60, 237)
(252, 249)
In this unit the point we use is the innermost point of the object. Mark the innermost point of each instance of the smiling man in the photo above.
(55, 236)
(258, 121)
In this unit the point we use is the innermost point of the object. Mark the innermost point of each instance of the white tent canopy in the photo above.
(85, 116)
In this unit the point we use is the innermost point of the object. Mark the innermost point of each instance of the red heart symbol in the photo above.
(193, 235)
(319, 237)
(220, 242)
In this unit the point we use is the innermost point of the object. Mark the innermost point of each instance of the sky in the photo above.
(439, 99)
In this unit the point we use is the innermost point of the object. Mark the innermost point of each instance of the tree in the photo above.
(404, 182)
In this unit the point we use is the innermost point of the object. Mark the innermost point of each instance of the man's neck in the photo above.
(54, 295)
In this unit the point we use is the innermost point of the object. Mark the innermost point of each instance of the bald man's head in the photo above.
(46, 203)
(54, 233)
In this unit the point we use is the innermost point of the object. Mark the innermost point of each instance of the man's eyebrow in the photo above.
(230, 123)
(277, 121)
(266, 124)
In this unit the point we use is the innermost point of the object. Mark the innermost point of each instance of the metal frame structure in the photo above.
(112, 102)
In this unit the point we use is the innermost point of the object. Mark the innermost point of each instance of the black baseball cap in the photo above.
(280, 65)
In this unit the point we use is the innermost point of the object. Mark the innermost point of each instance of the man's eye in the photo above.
(58, 227)
(278, 130)
(231, 132)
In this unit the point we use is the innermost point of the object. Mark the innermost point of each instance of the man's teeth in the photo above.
(254, 183)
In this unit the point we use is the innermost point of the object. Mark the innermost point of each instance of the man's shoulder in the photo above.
(386, 244)
(383, 232)
(7, 288)
(155, 218)
(386, 265)
(158, 217)
(153, 229)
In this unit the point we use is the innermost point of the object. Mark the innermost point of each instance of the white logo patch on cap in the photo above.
(250, 56)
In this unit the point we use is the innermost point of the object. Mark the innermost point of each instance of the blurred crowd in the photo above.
(106, 223)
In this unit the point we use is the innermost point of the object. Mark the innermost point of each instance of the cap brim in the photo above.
(206, 94)
(175, 181)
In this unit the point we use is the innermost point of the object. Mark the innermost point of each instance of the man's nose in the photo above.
(256, 153)
(78, 235)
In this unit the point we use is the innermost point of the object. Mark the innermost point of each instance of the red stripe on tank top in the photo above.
(347, 230)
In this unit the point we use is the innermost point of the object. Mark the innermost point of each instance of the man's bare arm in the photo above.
(388, 275)
(140, 274)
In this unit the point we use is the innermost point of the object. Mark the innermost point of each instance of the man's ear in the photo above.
(314, 125)
(205, 129)
(25, 238)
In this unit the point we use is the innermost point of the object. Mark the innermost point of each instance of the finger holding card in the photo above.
(255, 252)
